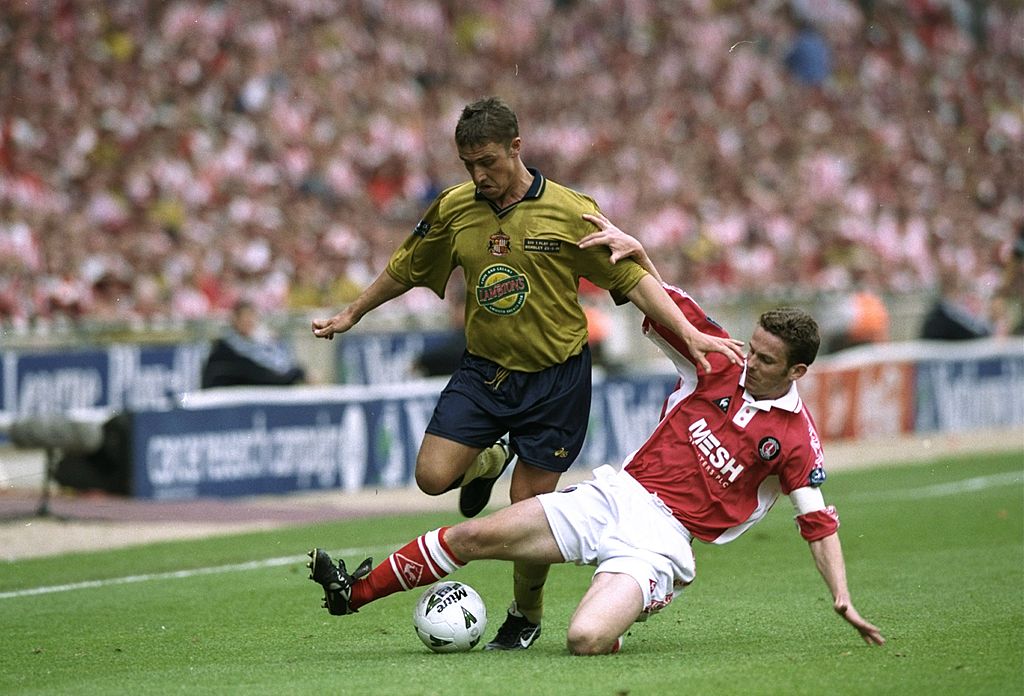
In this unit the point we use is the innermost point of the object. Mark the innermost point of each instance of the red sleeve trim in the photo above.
(818, 524)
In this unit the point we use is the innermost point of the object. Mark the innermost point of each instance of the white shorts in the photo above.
(614, 523)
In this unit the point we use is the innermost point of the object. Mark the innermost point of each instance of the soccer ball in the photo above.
(450, 617)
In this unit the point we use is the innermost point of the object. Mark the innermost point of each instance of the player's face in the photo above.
(768, 372)
(492, 167)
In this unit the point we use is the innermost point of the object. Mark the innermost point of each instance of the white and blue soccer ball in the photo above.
(450, 617)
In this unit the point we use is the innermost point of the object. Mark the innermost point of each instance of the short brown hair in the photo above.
(798, 331)
(487, 120)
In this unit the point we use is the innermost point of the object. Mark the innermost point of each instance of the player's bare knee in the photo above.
(589, 637)
(430, 482)
(470, 540)
(581, 642)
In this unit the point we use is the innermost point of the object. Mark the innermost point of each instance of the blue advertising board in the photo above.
(277, 448)
(970, 394)
(248, 442)
(116, 377)
(45, 383)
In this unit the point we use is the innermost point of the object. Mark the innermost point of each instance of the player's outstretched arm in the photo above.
(828, 556)
(622, 245)
(650, 297)
(381, 290)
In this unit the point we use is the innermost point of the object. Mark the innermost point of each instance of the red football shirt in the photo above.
(719, 458)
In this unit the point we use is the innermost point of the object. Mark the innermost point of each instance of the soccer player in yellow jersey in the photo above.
(526, 370)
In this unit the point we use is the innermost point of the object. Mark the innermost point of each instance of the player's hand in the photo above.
(622, 245)
(326, 328)
(868, 631)
(700, 344)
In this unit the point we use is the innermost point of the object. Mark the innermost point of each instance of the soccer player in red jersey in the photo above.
(730, 440)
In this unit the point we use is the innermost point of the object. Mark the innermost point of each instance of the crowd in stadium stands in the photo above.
(163, 159)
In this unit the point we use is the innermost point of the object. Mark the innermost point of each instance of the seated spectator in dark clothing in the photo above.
(243, 357)
(947, 321)
(957, 314)
(442, 354)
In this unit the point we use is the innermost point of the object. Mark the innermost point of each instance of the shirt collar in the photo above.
(537, 187)
(535, 190)
(790, 401)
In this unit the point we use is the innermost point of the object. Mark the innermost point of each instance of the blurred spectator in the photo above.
(957, 314)
(809, 58)
(595, 304)
(1008, 300)
(862, 319)
(246, 355)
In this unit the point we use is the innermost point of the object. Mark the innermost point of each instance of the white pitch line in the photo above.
(938, 490)
(215, 570)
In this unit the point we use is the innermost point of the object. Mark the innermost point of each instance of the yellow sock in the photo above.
(487, 464)
(528, 587)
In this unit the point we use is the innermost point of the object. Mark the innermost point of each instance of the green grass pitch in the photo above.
(935, 557)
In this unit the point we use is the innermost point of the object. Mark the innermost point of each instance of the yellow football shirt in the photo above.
(522, 269)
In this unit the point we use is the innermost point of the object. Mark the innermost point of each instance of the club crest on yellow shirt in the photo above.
(502, 289)
(498, 244)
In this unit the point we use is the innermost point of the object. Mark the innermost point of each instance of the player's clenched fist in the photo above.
(326, 328)
(381, 290)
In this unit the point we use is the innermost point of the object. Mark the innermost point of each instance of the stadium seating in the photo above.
(158, 160)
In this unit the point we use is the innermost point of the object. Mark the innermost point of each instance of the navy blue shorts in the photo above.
(545, 413)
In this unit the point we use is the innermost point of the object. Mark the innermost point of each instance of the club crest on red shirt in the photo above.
(498, 244)
(768, 448)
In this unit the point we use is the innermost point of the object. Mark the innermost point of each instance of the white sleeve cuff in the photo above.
(807, 499)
